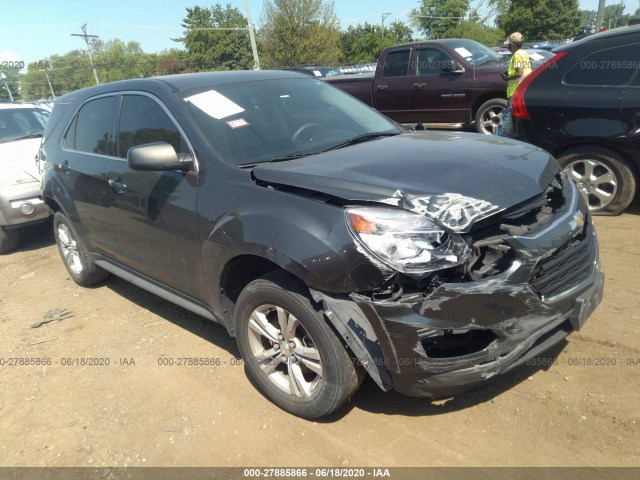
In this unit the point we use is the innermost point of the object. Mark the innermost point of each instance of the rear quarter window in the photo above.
(608, 67)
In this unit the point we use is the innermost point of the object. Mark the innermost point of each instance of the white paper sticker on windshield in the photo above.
(317, 73)
(237, 123)
(463, 52)
(536, 56)
(215, 104)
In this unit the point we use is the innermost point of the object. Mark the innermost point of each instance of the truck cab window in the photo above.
(397, 64)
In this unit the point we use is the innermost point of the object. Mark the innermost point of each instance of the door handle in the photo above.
(419, 85)
(382, 87)
(117, 185)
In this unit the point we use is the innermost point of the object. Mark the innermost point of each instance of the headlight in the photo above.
(404, 241)
(15, 176)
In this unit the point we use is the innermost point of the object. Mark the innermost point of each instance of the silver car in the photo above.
(21, 129)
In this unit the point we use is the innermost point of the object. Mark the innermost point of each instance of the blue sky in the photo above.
(35, 29)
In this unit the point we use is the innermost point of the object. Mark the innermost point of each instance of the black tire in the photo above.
(74, 253)
(277, 366)
(604, 177)
(489, 116)
(8, 240)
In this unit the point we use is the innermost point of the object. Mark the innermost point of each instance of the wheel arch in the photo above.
(610, 146)
(628, 194)
(485, 97)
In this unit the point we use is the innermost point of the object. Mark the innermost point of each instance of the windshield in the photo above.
(267, 120)
(19, 123)
(473, 52)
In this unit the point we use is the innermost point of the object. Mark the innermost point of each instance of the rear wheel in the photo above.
(8, 240)
(602, 176)
(290, 353)
(74, 253)
(489, 116)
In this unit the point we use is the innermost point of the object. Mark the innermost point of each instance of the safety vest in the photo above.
(520, 59)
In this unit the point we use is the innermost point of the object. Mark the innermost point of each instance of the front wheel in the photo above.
(602, 176)
(74, 253)
(489, 116)
(290, 353)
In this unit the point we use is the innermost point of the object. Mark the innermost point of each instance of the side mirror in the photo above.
(451, 66)
(158, 156)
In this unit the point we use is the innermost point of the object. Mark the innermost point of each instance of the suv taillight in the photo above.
(518, 107)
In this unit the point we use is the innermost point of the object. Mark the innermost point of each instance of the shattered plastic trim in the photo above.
(451, 210)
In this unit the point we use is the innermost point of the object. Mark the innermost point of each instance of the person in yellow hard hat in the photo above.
(519, 67)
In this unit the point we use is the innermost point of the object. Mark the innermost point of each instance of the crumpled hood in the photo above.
(433, 173)
(20, 154)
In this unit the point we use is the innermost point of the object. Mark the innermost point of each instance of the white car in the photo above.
(21, 129)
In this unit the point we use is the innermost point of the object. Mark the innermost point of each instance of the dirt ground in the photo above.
(581, 411)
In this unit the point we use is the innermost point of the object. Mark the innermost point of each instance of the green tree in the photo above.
(476, 31)
(362, 43)
(298, 32)
(614, 15)
(541, 19)
(172, 61)
(117, 60)
(11, 81)
(216, 38)
(67, 72)
(587, 17)
(434, 17)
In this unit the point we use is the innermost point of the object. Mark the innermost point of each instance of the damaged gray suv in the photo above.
(330, 242)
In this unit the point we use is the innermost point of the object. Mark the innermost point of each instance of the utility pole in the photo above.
(86, 38)
(600, 16)
(384, 16)
(48, 79)
(254, 49)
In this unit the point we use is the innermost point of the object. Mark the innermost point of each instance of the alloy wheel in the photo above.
(284, 350)
(595, 180)
(69, 249)
(491, 120)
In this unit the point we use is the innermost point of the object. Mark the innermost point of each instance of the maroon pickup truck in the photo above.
(452, 81)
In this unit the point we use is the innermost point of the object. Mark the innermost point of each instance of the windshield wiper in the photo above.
(31, 134)
(362, 138)
(293, 156)
(283, 158)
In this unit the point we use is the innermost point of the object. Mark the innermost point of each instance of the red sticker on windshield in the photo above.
(238, 122)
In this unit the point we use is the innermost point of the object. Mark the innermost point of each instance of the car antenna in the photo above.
(419, 126)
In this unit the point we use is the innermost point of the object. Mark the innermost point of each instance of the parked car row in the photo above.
(21, 130)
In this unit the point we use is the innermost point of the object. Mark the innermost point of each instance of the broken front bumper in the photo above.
(461, 334)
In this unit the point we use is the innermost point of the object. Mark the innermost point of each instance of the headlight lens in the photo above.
(404, 241)
(15, 176)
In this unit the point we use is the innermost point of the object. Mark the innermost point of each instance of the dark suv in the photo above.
(583, 106)
(329, 241)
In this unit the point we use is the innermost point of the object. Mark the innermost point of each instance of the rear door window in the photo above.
(397, 64)
(608, 67)
(93, 128)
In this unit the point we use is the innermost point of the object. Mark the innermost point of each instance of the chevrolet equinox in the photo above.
(332, 243)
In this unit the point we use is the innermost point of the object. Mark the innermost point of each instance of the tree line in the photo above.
(300, 32)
